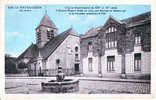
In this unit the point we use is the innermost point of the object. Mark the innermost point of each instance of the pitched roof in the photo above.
(30, 52)
(52, 45)
(113, 19)
(46, 21)
(91, 32)
(33, 51)
(135, 20)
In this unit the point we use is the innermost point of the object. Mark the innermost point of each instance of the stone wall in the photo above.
(66, 53)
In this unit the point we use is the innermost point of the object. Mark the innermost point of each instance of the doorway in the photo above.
(76, 68)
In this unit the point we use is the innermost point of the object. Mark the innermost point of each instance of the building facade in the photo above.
(52, 50)
(118, 48)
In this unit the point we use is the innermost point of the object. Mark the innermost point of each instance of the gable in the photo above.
(111, 22)
(53, 44)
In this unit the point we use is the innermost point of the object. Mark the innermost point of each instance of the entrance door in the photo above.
(76, 68)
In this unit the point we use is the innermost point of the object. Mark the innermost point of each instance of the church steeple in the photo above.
(45, 31)
(46, 21)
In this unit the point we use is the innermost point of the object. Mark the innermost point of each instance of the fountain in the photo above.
(61, 85)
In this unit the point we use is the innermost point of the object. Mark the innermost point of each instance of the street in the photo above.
(33, 86)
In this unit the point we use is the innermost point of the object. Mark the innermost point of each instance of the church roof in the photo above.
(52, 45)
(30, 52)
(46, 21)
(33, 51)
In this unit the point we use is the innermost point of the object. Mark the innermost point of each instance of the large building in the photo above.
(52, 50)
(118, 48)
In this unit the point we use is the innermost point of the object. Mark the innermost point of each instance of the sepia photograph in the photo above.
(77, 49)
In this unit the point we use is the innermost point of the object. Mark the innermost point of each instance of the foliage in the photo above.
(22, 65)
(10, 64)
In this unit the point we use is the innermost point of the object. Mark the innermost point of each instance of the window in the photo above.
(38, 36)
(90, 61)
(110, 63)
(57, 61)
(76, 57)
(50, 33)
(76, 49)
(111, 39)
(90, 46)
(109, 30)
(137, 38)
(115, 29)
(137, 62)
(112, 29)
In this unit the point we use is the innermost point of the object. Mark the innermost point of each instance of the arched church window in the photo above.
(57, 61)
(76, 49)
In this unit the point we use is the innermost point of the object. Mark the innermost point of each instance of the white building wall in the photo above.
(129, 63)
(145, 62)
(94, 64)
(117, 63)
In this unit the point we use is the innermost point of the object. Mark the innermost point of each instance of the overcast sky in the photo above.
(20, 25)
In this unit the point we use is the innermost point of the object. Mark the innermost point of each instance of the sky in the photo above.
(20, 23)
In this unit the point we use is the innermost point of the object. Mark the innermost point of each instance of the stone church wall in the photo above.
(65, 53)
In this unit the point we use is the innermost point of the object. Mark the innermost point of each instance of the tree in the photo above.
(10, 64)
(22, 65)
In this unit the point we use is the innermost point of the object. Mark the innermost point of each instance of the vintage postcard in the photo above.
(78, 49)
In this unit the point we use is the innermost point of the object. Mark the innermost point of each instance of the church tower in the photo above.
(45, 31)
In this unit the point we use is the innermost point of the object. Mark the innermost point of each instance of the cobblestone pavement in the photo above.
(31, 86)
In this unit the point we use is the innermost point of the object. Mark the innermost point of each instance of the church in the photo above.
(52, 50)
(118, 48)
